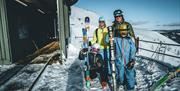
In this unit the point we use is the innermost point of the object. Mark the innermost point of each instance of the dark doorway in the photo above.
(28, 26)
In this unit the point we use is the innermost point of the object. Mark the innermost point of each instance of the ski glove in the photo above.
(90, 44)
(82, 53)
(131, 64)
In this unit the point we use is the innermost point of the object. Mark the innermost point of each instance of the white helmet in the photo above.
(96, 47)
(101, 19)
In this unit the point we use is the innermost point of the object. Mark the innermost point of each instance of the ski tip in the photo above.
(87, 19)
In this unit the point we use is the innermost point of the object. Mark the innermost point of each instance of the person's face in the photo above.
(119, 18)
(101, 24)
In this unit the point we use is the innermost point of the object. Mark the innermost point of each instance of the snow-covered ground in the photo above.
(4, 68)
(22, 80)
(66, 77)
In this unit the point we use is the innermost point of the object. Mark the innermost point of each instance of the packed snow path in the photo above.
(69, 76)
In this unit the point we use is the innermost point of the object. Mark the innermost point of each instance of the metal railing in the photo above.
(169, 66)
(160, 43)
(160, 53)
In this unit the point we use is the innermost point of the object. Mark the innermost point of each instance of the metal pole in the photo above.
(55, 29)
(66, 25)
(61, 29)
(5, 53)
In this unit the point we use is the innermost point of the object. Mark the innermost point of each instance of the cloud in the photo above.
(140, 28)
(136, 23)
(177, 24)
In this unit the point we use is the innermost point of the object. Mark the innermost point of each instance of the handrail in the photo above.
(169, 66)
(160, 43)
(159, 53)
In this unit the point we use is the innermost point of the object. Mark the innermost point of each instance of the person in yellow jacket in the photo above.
(100, 33)
(99, 38)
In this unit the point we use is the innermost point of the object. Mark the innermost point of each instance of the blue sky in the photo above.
(145, 14)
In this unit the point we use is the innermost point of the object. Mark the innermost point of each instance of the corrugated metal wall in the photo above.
(5, 54)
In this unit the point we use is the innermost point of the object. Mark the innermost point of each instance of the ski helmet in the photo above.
(118, 12)
(101, 19)
(123, 30)
(96, 47)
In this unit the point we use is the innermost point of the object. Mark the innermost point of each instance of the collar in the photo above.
(115, 22)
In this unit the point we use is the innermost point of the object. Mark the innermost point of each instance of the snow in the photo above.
(4, 68)
(66, 77)
(22, 79)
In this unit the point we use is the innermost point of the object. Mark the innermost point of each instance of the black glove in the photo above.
(82, 53)
(131, 64)
(99, 61)
(90, 44)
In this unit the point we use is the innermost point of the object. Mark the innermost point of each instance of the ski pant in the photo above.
(125, 53)
(105, 56)
(98, 73)
(125, 76)
(107, 67)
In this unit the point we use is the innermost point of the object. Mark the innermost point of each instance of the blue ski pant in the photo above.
(125, 76)
(125, 53)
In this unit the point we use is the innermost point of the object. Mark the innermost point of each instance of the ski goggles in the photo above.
(101, 21)
(118, 15)
(95, 50)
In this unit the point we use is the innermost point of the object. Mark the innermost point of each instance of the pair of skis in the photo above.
(112, 58)
(164, 79)
(85, 45)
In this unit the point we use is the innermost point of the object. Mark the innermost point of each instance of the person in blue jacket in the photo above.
(125, 51)
(125, 60)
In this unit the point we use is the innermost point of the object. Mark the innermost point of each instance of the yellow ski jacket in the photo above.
(99, 37)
